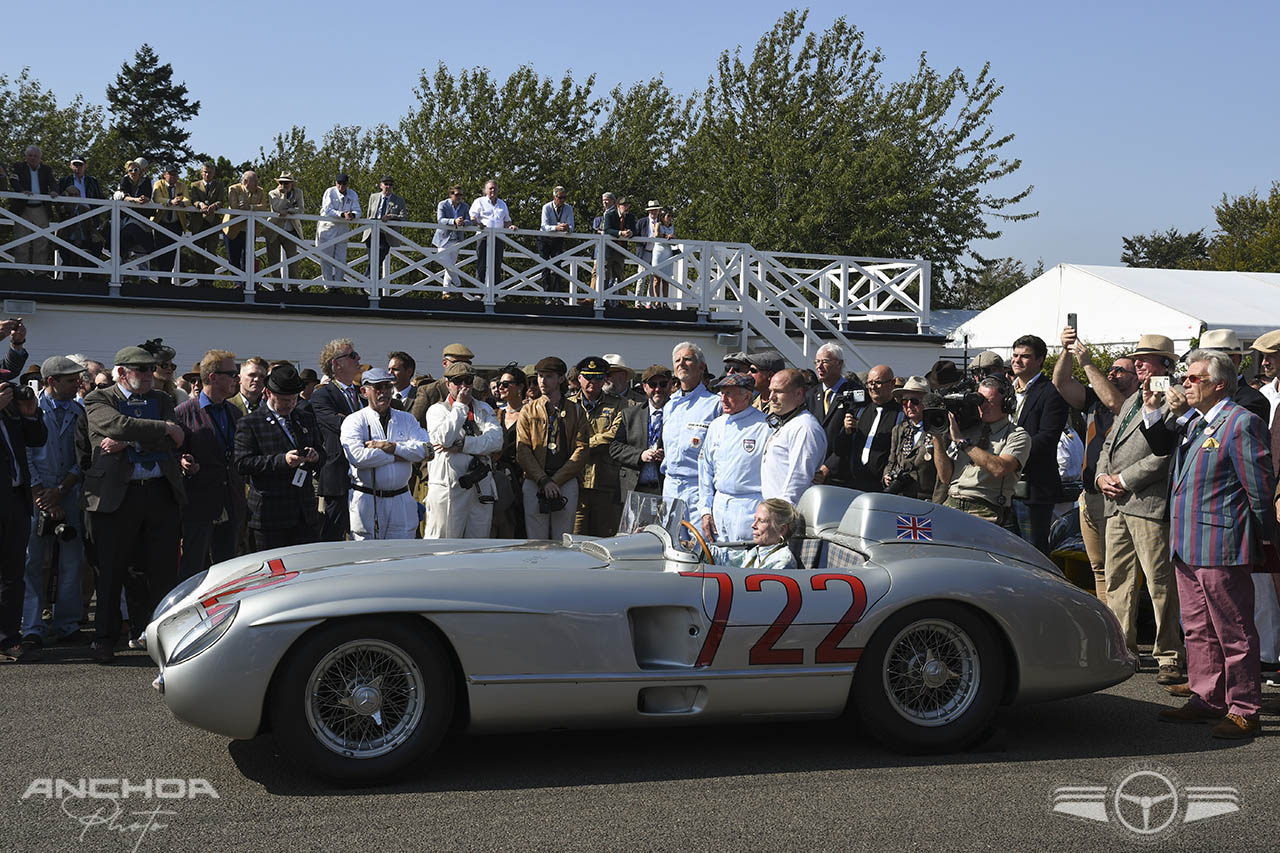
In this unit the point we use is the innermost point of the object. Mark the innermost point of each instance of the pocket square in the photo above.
(1211, 443)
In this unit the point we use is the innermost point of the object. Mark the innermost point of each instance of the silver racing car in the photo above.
(358, 657)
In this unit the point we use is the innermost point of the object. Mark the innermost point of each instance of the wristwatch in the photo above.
(964, 444)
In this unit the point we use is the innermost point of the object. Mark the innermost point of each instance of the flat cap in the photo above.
(455, 370)
(736, 380)
(552, 363)
(593, 366)
(374, 375)
(59, 365)
(737, 358)
(133, 357)
(1269, 342)
(655, 371)
(987, 360)
(769, 360)
(461, 352)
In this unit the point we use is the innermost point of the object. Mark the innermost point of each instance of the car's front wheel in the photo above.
(930, 679)
(358, 701)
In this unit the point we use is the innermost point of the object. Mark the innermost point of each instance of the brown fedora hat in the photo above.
(1154, 345)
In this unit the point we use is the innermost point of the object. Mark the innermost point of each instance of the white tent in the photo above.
(1115, 305)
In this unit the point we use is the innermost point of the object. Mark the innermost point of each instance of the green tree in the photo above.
(1166, 250)
(1248, 235)
(30, 115)
(149, 108)
(981, 289)
(803, 149)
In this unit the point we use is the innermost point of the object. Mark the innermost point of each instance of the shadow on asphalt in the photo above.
(1098, 725)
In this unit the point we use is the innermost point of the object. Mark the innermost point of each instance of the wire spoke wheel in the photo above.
(365, 698)
(932, 672)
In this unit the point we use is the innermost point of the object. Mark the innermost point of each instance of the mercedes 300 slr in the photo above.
(918, 620)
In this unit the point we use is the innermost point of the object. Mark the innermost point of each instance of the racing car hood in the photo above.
(327, 560)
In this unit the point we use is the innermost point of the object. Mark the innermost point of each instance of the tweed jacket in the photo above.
(274, 502)
(531, 441)
(330, 405)
(239, 198)
(217, 487)
(281, 203)
(207, 192)
(428, 395)
(918, 459)
(1128, 453)
(106, 476)
(1221, 488)
(632, 439)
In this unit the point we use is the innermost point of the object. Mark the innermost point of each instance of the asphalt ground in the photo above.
(807, 786)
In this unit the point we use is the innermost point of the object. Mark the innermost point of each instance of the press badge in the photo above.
(300, 477)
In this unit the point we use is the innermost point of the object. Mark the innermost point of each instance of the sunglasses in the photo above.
(910, 401)
(1121, 370)
(143, 368)
(1197, 378)
(355, 356)
(508, 384)
(167, 365)
(224, 373)
(753, 369)
(102, 385)
(658, 383)
(462, 380)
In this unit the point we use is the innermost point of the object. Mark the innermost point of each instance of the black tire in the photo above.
(930, 679)
(359, 701)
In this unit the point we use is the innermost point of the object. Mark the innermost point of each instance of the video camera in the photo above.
(960, 399)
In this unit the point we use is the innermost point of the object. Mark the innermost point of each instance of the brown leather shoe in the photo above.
(1180, 690)
(1190, 713)
(1237, 727)
(1170, 673)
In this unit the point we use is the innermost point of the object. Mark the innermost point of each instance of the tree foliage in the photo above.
(1248, 235)
(996, 279)
(804, 149)
(30, 115)
(148, 110)
(1166, 250)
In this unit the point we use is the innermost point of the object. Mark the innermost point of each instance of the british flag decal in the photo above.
(915, 527)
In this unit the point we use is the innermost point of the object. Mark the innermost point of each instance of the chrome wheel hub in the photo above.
(931, 672)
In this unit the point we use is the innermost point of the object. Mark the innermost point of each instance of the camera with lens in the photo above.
(901, 481)
(849, 400)
(547, 505)
(21, 392)
(47, 525)
(476, 471)
(960, 399)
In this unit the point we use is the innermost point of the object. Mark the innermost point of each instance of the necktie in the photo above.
(382, 207)
(826, 401)
(352, 401)
(1193, 432)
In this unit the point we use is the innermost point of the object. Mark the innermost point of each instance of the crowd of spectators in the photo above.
(127, 478)
(175, 207)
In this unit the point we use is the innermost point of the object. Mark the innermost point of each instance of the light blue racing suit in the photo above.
(729, 472)
(685, 419)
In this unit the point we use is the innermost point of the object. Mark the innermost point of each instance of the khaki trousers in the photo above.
(35, 251)
(1093, 530)
(1136, 545)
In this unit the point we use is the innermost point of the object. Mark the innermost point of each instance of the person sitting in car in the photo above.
(774, 523)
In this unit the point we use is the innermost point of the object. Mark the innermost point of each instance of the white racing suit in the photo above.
(454, 512)
(380, 504)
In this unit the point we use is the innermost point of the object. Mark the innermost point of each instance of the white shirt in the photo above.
(1021, 396)
(490, 214)
(35, 182)
(791, 457)
(335, 203)
(1272, 393)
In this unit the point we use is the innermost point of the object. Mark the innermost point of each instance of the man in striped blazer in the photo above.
(1220, 513)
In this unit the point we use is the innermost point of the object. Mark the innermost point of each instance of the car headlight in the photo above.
(178, 593)
(207, 630)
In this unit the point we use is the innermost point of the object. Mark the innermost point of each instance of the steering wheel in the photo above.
(709, 558)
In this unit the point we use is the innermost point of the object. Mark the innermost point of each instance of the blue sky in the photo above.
(1129, 116)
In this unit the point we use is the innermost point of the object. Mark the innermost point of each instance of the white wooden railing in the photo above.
(793, 301)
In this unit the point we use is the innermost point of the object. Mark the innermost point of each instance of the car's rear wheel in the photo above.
(361, 700)
(930, 679)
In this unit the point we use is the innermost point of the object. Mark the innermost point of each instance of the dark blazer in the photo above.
(1044, 414)
(632, 439)
(23, 433)
(614, 222)
(329, 406)
(217, 486)
(274, 502)
(92, 189)
(1250, 398)
(917, 459)
(20, 180)
(848, 446)
(107, 477)
(832, 423)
